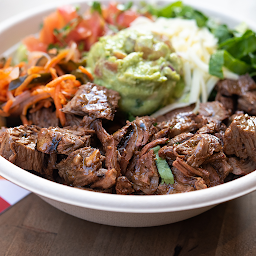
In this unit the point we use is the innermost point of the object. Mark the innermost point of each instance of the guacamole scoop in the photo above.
(141, 66)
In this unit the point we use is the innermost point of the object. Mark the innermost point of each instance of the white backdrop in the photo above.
(245, 9)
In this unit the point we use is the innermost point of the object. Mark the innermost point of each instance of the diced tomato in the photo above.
(68, 12)
(96, 25)
(53, 21)
(124, 19)
(109, 14)
(34, 44)
(81, 32)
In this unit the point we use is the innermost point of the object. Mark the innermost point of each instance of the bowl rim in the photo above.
(123, 203)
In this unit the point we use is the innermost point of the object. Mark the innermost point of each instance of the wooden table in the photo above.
(33, 227)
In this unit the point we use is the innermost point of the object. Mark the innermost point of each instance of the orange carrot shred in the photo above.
(58, 105)
(59, 79)
(85, 71)
(35, 70)
(7, 106)
(53, 73)
(20, 65)
(56, 59)
(24, 85)
(24, 120)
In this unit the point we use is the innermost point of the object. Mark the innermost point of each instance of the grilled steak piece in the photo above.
(145, 176)
(213, 111)
(240, 137)
(132, 137)
(82, 167)
(183, 122)
(44, 117)
(238, 94)
(93, 100)
(109, 146)
(242, 166)
(124, 186)
(61, 141)
(19, 147)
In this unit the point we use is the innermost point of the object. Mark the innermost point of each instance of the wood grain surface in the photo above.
(33, 227)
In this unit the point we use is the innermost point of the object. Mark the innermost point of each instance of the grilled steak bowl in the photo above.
(145, 205)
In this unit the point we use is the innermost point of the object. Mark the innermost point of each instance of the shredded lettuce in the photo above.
(178, 9)
(163, 168)
(222, 59)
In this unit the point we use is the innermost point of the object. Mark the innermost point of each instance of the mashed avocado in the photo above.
(141, 66)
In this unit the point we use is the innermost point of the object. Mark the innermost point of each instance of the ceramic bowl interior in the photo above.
(110, 209)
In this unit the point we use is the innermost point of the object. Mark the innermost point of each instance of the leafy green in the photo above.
(178, 9)
(96, 6)
(163, 168)
(125, 7)
(222, 58)
(241, 46)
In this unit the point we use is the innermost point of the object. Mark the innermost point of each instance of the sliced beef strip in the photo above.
(183, 122)
(241, 91)
(19, 147)
(145, 175)
(109, 146)
(178, 139)
(195, 150)
(229, 103)
(107, 179)
(124, 186)
(82, 167)
(189, 171)
(213, 111)
(229, 87)
(240, 137)
(44, 117)
(241, 166)
(132, 137)
(247, 102)
(72, 120)
(61, 140)
(93, 100)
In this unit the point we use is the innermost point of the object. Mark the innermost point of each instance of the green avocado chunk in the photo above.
(141, 66)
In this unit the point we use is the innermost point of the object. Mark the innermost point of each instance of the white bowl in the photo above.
(110, 209)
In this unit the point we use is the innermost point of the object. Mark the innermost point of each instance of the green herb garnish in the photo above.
(163, 168)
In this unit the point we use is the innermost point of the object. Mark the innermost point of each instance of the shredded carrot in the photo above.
(7, 106)
(34, 100)
(24, 85)
(35, 70)
(20, 65)
(53, 73)
(42, 89)
(85, 71)
(60, 79)
(56, 59)
(58, 105)
(8, 62)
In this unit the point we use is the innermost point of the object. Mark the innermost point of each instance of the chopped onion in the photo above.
(14, 73)
(195, 87)
(72, 51)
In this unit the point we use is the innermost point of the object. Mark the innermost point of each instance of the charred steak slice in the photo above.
(93, 100)
(213, 111)
(132, 137)
(61, 141)
(19, 147)
(44, 117)
(82, 167)
(240, 137)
